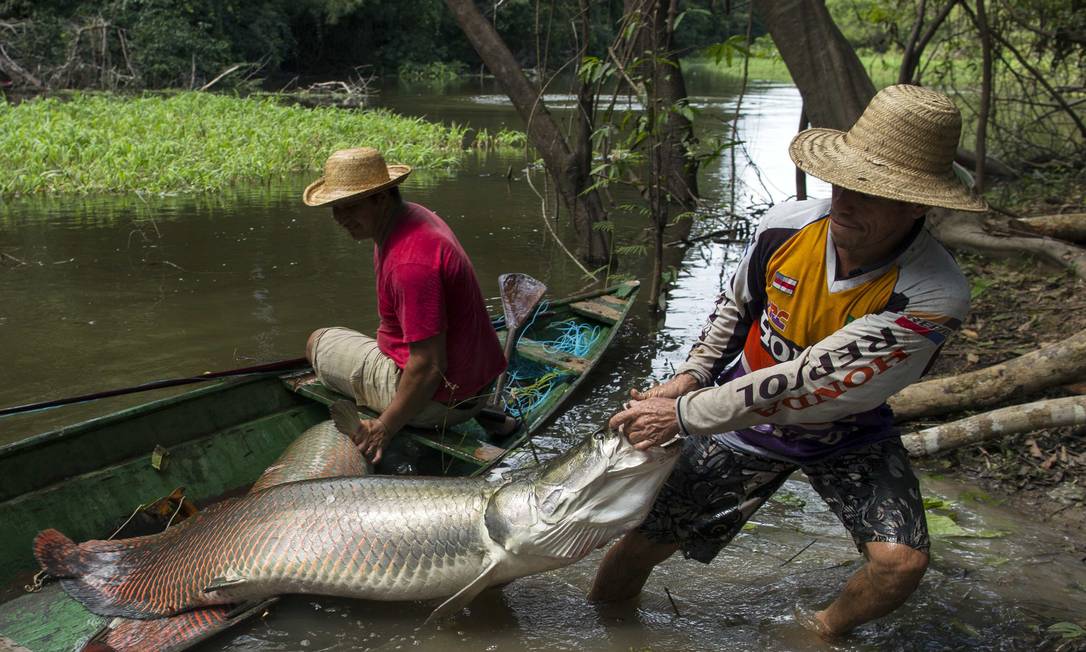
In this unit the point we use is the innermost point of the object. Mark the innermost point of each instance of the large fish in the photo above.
(375, 538)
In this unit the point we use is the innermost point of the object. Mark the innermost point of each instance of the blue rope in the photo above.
(576, 338)
(531, 384)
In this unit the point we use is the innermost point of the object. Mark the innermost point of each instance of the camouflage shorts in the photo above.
(714, 489)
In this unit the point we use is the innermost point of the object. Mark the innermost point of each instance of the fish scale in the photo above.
(353, 545)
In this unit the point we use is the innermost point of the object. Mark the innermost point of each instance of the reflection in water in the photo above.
(113, 291)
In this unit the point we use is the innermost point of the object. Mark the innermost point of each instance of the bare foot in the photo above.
(813, 621)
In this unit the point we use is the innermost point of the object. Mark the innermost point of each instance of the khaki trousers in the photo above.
(352, 364)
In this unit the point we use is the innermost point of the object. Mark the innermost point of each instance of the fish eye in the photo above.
(599, 435)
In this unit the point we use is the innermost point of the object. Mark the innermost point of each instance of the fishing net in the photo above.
(531, 384)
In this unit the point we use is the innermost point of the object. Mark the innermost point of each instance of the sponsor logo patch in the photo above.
(785, 284)
(929, 329)
(777, 316)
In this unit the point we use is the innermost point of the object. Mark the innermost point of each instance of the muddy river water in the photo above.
(120, 290)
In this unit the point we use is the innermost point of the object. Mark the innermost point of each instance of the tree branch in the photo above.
(1014, 420)
(1050, 366)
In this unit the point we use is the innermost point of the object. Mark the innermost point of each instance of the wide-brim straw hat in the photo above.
(902, 147)
(351, 174)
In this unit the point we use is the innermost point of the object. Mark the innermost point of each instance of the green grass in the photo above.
(766, 65)
(194, 142)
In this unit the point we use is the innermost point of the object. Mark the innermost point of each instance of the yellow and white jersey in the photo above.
(797, 363)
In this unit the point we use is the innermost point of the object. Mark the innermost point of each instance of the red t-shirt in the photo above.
(425, 285)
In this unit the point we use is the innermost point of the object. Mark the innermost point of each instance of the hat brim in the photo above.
(825, 153)
(319, 194)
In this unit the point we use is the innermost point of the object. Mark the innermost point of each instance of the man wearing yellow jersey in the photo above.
(836, 305)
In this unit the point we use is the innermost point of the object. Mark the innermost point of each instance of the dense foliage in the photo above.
(185, 43)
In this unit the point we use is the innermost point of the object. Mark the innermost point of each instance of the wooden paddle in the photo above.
(270, 367)
(520, 295)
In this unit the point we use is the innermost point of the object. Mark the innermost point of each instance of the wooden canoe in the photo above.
(87, 479)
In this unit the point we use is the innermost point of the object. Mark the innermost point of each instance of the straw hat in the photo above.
(351, 174)
(902, 147)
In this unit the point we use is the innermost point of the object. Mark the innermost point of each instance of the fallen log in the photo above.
(959, 230)
(1017, 419)
(1070, 227)
(1057, 364)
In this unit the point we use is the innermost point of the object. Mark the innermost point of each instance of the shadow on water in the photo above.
(112, 291)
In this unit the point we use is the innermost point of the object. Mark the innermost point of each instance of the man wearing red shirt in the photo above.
(436, 352)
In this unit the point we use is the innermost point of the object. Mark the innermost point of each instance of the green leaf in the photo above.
(980, 285)
(942, 527)
(632, 250)
(1068, 631)
(789, 499)
(686, 111)
(931, 502)
(604, 225)
(978, 497)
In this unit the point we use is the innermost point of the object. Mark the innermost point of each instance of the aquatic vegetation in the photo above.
(194, 142)
(485, 139)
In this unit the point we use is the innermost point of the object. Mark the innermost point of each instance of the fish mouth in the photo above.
(636, 462)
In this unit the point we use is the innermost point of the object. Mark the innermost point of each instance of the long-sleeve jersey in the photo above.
(797, 364)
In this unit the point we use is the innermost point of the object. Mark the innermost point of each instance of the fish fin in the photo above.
(464, 596)
(98, 573)
(57, 554)
(345, 416)
(571, 540)
(225, 582)
(177, 633)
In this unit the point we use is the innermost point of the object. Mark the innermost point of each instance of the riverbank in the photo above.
(765, 64)
(194, 142)
(1019, 306)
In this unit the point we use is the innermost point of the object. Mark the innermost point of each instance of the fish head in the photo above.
(573, 503)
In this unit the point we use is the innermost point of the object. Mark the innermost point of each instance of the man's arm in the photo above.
(421, 377)
(854, 369)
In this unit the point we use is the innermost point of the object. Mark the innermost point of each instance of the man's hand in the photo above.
(371, 437)
(646, 423)
(674, 388)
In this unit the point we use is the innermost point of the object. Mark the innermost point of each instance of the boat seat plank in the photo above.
(461, 445)
(536, 352)
(613, 301)
(597, 310)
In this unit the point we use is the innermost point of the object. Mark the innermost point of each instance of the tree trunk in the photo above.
(979, 176)
(679, 171)
(1047, 367)
(834, 85)
(569, 173)
(1018, 419)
